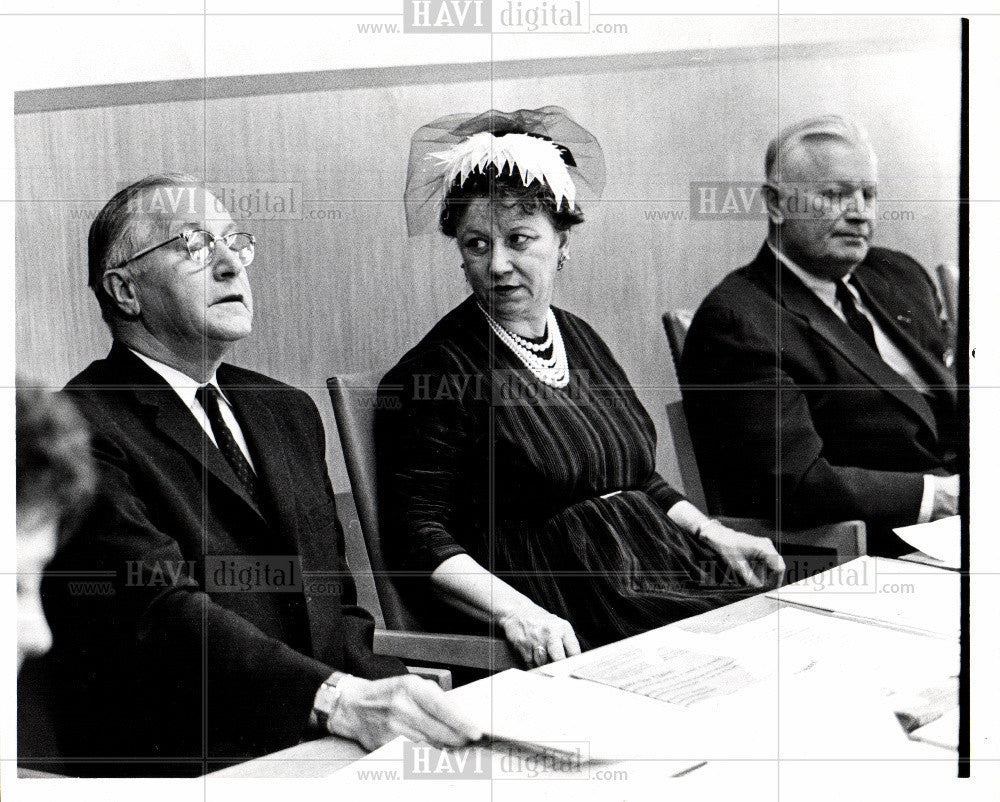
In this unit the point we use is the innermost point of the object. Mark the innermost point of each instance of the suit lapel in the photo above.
(802, 302)
(941, 380)
(274, 457)
(169, 416)
(270, 452)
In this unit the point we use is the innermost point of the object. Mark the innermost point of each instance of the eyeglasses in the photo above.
(201, 246)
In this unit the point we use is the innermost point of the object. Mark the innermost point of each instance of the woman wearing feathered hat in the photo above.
(516, 462)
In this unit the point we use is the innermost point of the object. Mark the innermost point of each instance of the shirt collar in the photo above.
(183, 385)
(824, 288)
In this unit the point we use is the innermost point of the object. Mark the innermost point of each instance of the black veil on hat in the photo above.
(556, 151)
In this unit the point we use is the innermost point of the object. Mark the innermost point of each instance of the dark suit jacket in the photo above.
(783, 397)
(180, 658)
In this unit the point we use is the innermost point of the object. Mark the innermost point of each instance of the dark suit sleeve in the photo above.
(157, 642)
(755, 436)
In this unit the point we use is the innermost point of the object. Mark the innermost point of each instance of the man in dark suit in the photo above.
(818, 379)
(223, 623)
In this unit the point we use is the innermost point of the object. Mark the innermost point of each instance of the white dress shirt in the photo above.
(186, 389)
(826, 291)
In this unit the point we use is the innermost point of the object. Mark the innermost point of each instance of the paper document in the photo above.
(907, 595)
(803, 716)
(500, 762)
(568, 715)
(916, 709)
(678, 677)
(647, 642)
(940, 540)
(941, 732)
(775, 648)
(714, 665)
(793, 683)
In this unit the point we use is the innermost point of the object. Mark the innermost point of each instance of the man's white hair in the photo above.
(813, 129)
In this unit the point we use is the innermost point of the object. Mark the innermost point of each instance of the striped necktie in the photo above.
(208, 397)
(855, 318)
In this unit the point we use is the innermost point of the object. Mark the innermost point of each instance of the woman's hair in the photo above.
(55, 469)
(507, 188)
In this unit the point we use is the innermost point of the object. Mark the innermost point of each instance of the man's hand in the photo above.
(374, 712)
(945, 496)
(538, 635)
(754, 559)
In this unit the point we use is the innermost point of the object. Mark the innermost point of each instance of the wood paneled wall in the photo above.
(344, 290)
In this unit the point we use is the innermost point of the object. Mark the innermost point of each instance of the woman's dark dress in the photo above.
(476, 455)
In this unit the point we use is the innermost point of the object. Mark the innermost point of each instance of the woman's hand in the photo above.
(538, 635)
(754, 559)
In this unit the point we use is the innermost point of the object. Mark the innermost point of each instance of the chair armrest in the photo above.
(471, 651)
(439, 676)
(846, 538)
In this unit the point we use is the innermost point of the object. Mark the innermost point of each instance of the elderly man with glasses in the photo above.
(226, 626)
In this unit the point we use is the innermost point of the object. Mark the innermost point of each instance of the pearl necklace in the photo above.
(553, 371)
(538, 348)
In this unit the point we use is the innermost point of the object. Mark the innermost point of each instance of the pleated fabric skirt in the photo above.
(613, 567)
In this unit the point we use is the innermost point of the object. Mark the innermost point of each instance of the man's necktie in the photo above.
(855, 319)
(208, 397)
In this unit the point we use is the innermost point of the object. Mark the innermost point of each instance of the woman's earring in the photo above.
(563, 259)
